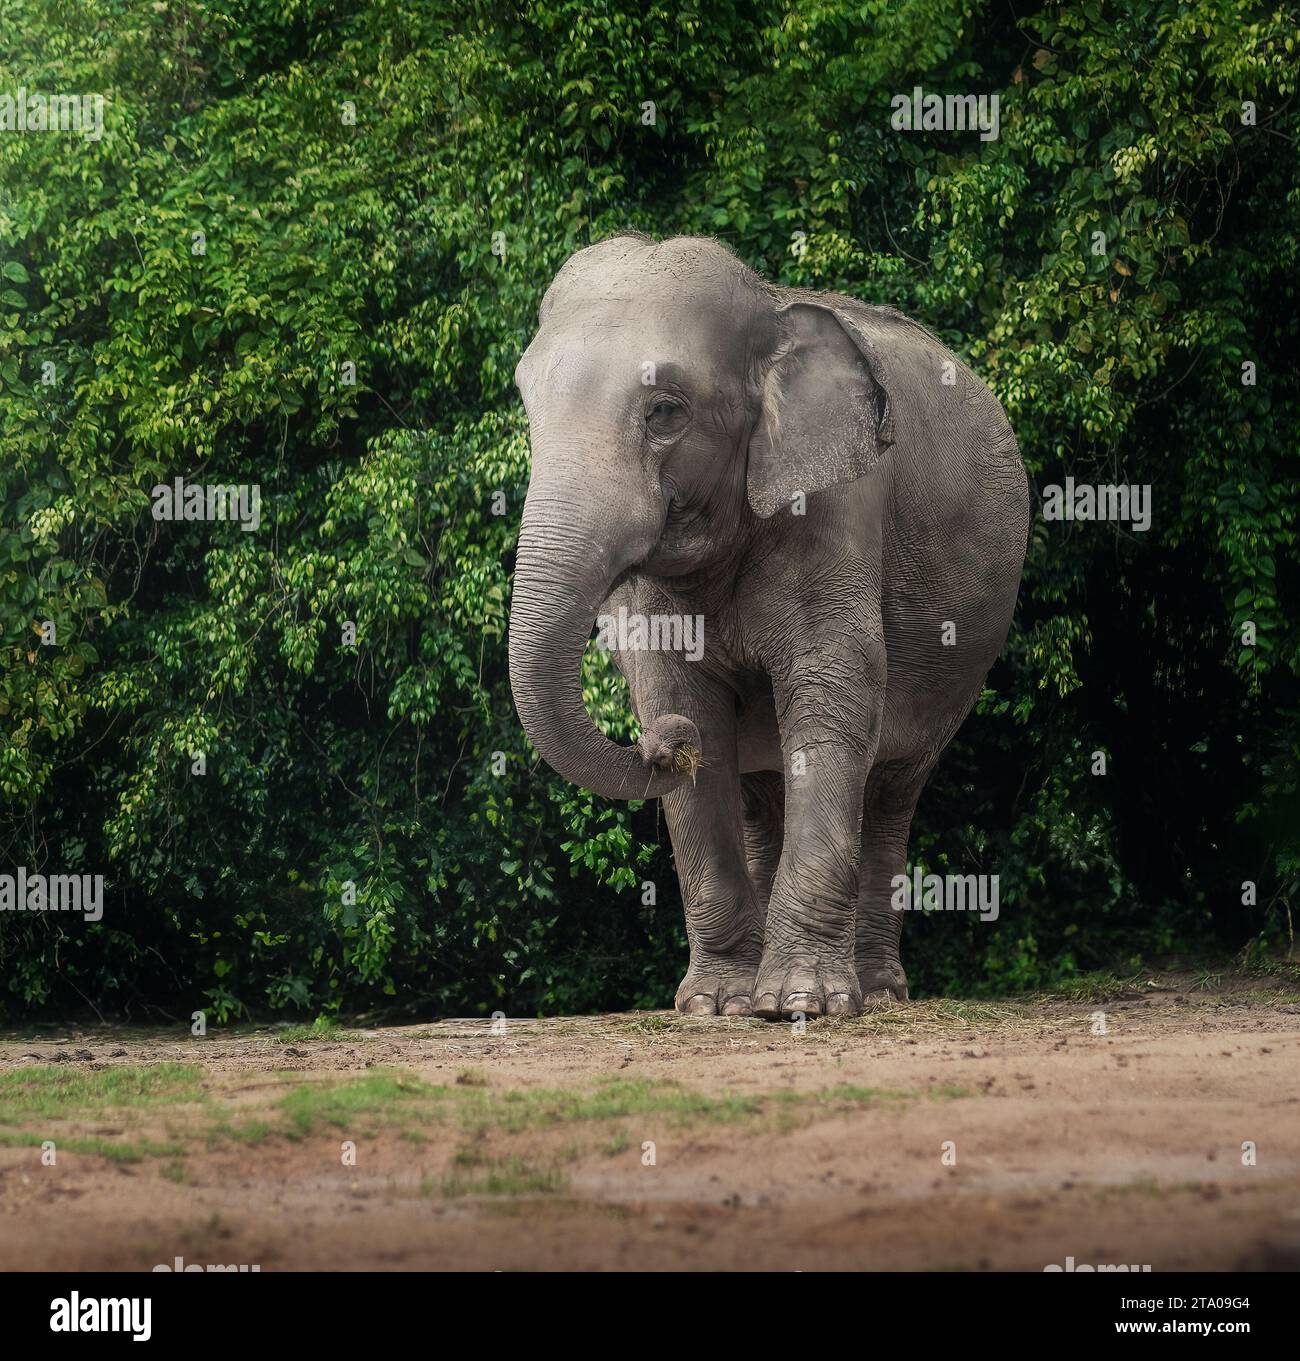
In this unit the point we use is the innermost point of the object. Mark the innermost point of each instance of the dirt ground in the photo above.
(649, 1141)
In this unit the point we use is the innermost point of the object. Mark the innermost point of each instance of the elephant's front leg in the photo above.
(830, 722)
(723, 922)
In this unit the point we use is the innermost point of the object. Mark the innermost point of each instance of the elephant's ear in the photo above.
(824, 415)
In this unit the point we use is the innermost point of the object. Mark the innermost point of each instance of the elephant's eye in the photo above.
(665, 419)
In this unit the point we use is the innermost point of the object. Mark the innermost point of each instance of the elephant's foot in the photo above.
(717, 985)
(803, 983)
(882, 983)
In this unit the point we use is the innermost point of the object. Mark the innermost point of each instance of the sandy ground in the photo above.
(654, 1142)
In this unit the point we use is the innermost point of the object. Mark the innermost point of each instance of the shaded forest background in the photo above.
(391, 185)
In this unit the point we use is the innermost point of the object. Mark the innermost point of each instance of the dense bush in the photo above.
(391, 185)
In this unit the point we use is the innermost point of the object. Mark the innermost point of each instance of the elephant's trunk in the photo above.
(564, 568)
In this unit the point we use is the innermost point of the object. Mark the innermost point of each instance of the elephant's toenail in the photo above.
(737, 1006)
(839, 1004)
(700, 1005)
(767, 1005)
(804, 1003)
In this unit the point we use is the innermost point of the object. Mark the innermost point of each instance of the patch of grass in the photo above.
(1100, 986)
(177, 1172)
(650, 1025)
(118, 1150)
(847, 1094)
(932, 1018)
(1287, 971)
(475, 1174)
(392, 1098)
(653, 1024)
(55, 1092)
(243, 1131)
(800, 1108)
(380, 1093)
(1262, 997)
(610, 1099)
(322, 1028)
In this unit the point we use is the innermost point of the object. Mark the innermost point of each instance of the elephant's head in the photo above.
(675, 402)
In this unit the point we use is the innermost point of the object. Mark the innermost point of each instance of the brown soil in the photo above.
(772, 1150)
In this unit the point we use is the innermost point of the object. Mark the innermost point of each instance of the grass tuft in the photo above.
(54, 1092)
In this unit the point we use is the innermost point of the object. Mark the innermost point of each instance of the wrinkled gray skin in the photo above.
(826, 692)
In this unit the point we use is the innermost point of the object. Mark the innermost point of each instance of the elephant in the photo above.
(840, 502)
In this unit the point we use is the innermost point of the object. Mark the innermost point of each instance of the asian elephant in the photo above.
(841, 503)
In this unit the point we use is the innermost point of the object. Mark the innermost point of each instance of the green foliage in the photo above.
(372, 825)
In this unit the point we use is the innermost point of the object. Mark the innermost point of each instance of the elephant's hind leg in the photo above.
(889, 803)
